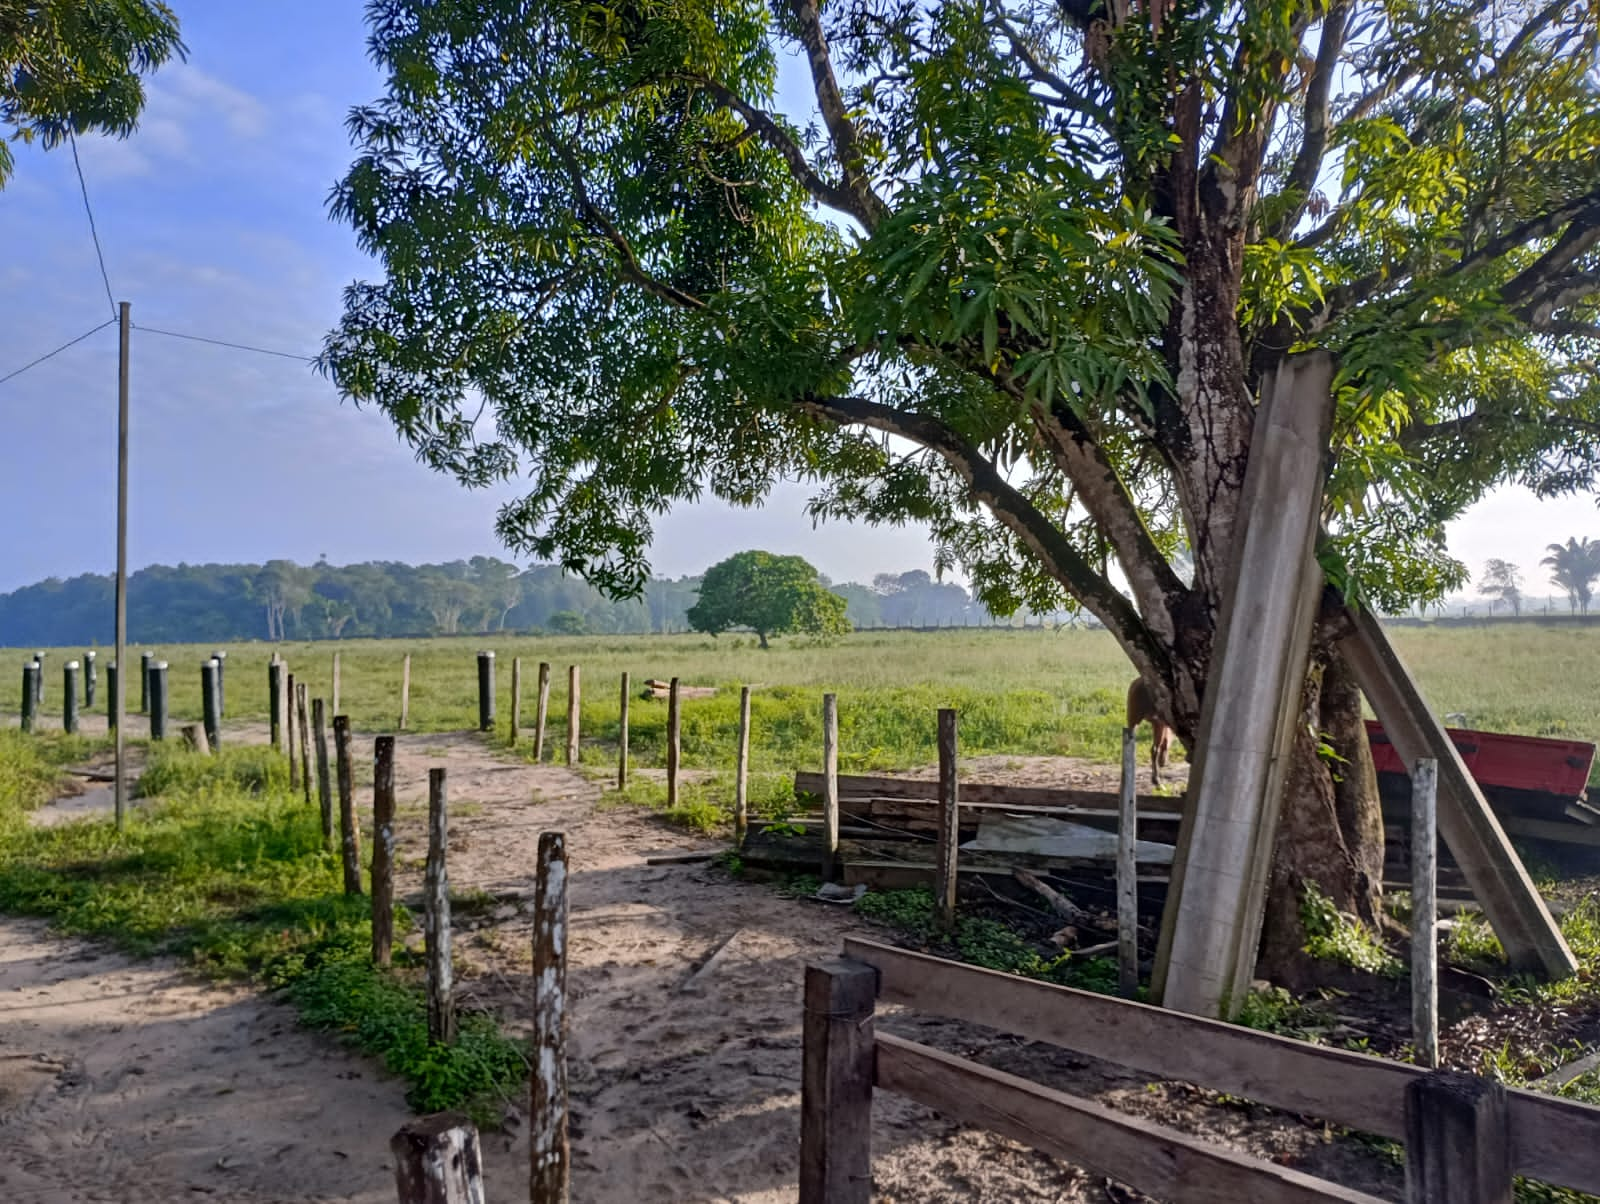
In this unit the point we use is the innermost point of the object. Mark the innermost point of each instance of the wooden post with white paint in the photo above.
(836, 1083)
(301, 712)
(830, 786)
(541, 711)
(1128, 869)
(741, 772)
(436, 916)
(1458, 1140)
(548, 1155)
(674, 742)
(572, 714)
(622, 737)
(437, 1161)
(382, 850)
(1425, 912)
(324, 778)
(350, 843)
(405, 691)
(949, 820)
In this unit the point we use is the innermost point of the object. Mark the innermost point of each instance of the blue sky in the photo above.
(213, 222)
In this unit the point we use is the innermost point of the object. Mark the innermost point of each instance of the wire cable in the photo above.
(57, 351)
(195, 338)
(93, 232)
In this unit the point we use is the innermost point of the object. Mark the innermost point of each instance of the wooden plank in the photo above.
(949, 820)
(1211, 929)
(1128, 873)
(1457, 1142)
(1159, 1161)
(879, 786)
(1511, 904)
(437, 1161)
(1551, 1139)
(830, 786)
(1547, 829)
(549, 1154)
(1425, 913)
(836, 1084)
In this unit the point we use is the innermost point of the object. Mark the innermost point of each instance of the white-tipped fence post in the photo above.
(548, 1155)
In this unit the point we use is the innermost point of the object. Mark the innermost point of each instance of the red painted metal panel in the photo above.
(1559, 767)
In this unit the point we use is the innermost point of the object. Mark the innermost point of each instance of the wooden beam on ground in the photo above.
(1511, 904)
(887, 787)
(1150, 1158)
(1212, 927)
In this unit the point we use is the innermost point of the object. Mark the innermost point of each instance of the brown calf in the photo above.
(1141, 707)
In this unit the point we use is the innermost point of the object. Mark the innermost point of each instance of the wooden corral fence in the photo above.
(1465, 1137)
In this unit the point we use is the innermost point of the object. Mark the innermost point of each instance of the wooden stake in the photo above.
(274, 700)
(437, 1161)
(69, 698)
(949, 819)
(350, 847)
(486, 691)
(211, 702)
(674, 742)
(541, 711)
(157, 678)
(741, 771)
(89, 679)
(382, 849)
(830, 786)
(1458, 1141)
(1128, 870)
(324, 782)
(572, 714)
(516, 699)
(548, 1153)
(622, 737)
(335, 691)
(836, 1083)
(405, 691)
(436, 916)
(1425, 912)
(300, 711)
(288, 737)
(30, 694)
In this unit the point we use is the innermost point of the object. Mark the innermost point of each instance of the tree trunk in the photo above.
(762, 636)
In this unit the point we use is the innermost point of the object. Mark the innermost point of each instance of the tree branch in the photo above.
(1069, 96)
(1314, 137)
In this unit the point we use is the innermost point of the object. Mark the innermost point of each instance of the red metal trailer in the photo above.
(1534, 764)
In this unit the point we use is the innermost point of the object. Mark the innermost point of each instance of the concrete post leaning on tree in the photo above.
(288, 731)
(157, 679)
(949, 820)
(516, 699)
(541, 710)
(741, 771)
(146, 659)
(548, 1155)
(30, 695)
(350, 843)
(486, 691)
(622, 736)
(573, 711)
(436, 915)
(220, 655)
(836, 1083)
(382, 849)
(90, 674)
(437, 1160)
(1128, 868)
(69, 698)
(830, 785)
(302, 718)
(674, 743)
(324, 781)
(1458, 1140)
(405, 691)
(275, 701)
(211, 700)
(1425, 912)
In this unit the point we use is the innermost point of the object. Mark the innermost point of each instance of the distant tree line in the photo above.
(282, 600)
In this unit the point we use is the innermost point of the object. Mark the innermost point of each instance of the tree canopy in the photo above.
(71, 66)
(771, 595)
(1574, 567)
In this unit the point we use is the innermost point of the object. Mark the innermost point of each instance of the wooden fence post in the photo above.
(486, 691)
(69, 698)
(335, 691)
(146, 659)
(622, 737)
(111, 695)
(548, 1153)
(1458, 1140)
(516, 699)
(405, 691)
(288, 735)
(274, 700)
(949, 819)
(211, 701)
(1128, 869)
(437, 1161)
(194, 735)
(89, 679)
(382, 849)
(572, 714)
(836, 1083)
(674, 742)
(830, 785)
(324, 782)
(541, 710)
(741, 771)
(157, 678)
(30, 694)
(436, 916)
(301, 717)
(220, 655)
(1425, 912)
(350, 846)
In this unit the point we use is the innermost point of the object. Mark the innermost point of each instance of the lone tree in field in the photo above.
(72, 66)
(1015, 270)
(771, 595)
(1575, 566)
(1502, 580)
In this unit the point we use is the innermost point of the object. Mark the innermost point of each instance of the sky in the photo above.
(213, 222)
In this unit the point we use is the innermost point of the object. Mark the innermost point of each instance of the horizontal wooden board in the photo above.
(1555, 830)
(1552, 1139)
(890, 787)
(1153, 1159)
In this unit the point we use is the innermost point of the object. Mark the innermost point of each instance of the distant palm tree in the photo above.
(1574, 566)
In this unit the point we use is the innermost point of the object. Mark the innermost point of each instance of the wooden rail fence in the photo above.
(1465, 1137)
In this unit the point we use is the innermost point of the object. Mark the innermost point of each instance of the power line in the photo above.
(57, 351)
(93, 232)
(195, 338)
